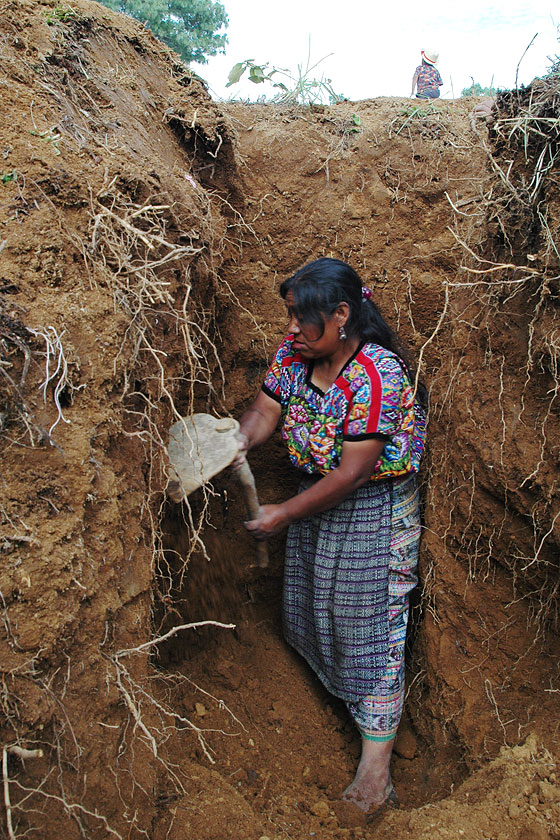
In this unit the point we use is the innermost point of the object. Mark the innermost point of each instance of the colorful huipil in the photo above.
(372, 397)
(349, 569)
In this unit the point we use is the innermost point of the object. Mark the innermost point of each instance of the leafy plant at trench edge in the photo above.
(302, 89)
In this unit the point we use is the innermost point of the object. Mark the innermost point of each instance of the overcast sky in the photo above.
(376, 45)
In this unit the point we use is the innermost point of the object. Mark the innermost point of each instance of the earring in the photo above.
(342, 333)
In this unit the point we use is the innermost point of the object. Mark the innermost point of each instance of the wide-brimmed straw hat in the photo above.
(431, 56)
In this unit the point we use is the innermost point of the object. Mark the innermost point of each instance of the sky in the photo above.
(369, 48)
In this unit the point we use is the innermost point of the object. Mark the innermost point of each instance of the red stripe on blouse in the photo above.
(372, 373)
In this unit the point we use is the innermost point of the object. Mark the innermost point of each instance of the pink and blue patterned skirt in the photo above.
(348, 575)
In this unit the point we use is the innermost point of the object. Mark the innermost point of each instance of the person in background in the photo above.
(343, 389)
(427, 79)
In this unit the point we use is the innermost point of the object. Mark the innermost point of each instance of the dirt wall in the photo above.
(109, 243)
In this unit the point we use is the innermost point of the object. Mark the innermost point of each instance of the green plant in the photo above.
(420, 113)
(302, 89)
(477, 90)
(257, 73)
(554, 69)
(6, 177)
(356, 124)
(60, 14)
(416, 111)
(51, 136)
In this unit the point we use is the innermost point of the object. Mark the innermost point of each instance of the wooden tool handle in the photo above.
(247, 481)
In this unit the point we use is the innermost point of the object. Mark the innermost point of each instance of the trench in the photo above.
(282, 738)
(281, 744)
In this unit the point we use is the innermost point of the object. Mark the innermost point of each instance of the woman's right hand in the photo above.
(256, 426)
(242, 447)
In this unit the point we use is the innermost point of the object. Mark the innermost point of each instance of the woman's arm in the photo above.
(414, 80)
(356, 466)
(257, 424)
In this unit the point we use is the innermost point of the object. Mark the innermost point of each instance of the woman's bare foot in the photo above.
(368, 793)
(372, 785)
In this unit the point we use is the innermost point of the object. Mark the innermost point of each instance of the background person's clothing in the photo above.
(429, 93)
(428, 82)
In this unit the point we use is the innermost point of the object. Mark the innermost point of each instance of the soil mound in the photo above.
(143, 234)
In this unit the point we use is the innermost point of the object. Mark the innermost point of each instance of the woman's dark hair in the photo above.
(319, 287)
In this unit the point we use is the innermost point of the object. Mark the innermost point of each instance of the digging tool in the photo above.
(199, 448)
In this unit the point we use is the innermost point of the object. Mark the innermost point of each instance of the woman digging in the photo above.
(341, 385)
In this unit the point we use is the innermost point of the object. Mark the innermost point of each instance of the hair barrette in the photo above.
(366, 293)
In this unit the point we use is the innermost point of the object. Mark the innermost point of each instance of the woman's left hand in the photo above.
(272, 520)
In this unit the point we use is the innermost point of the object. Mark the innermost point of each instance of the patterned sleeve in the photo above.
(272, 384)
(375, 410)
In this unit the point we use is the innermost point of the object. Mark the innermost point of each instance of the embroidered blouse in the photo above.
(372, 397)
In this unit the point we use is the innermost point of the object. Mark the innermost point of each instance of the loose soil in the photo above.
(144, 231)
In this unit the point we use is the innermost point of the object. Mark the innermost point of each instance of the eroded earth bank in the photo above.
(144, 232)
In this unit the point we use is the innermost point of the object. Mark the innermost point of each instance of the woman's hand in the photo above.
(242, 448)
(257, 424)
(272, 520)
